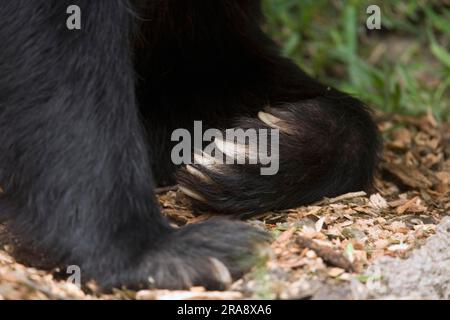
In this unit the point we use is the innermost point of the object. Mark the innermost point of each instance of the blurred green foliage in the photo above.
(402, 68)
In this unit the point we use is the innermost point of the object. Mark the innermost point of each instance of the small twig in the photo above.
(347, 196)
(166, 189)
(327, 254)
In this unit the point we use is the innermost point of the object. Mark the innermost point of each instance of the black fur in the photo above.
(86, 117)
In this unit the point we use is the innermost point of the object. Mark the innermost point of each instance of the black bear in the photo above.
(86, 118)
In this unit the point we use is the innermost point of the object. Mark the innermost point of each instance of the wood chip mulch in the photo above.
(318, 249)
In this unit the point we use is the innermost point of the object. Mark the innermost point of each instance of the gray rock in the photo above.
(425, 274)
